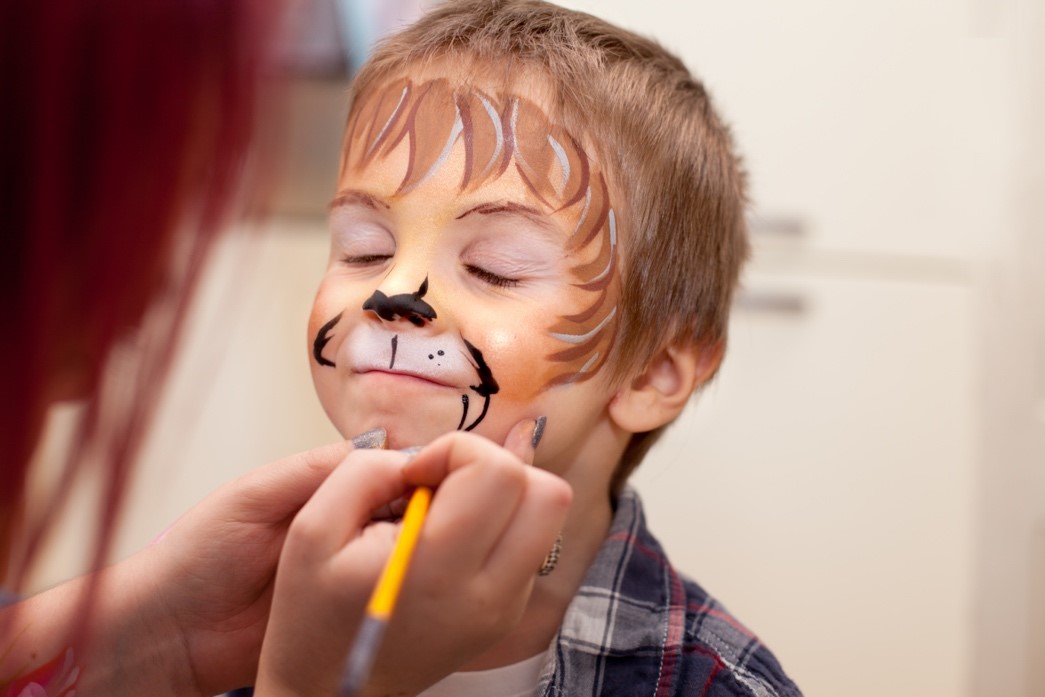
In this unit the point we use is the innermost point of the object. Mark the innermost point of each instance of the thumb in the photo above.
(524, 437)
(281, 488)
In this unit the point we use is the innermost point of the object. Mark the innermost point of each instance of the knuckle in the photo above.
(501, 609)
(305, 533)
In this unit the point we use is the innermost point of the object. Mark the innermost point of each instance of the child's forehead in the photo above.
(467, 76)
(525, 100)
(436, 132)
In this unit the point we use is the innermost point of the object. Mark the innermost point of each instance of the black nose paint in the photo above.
(408, 306)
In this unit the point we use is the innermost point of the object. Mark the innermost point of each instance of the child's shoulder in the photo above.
(638, 626)
(741, 663)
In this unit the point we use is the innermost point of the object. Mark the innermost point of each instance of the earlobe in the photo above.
(661, 391)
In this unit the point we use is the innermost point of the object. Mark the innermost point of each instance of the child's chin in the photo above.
(409, 435)
(407, 424)
(418, 424)
(408, 438)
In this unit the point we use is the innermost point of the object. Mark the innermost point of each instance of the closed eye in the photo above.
(364, 259)
(492, 278)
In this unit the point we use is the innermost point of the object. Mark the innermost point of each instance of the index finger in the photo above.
(452, 451)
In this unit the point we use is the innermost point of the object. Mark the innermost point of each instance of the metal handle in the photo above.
(776, 302)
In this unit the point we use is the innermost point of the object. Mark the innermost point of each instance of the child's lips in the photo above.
(405, 375)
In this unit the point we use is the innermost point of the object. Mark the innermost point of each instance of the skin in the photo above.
(188, 615)
(508, 269)
(502, 267)
(456, 264)
(489, 526)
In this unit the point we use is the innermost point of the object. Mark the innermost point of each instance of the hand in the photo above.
(215, 568)
(492, 520)
(489, 529)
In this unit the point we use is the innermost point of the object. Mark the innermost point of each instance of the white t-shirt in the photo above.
(517, 680)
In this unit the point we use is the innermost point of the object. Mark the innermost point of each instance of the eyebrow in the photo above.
(512, 208)
(347, 197)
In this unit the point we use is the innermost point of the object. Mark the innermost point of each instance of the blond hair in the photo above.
(674, 175)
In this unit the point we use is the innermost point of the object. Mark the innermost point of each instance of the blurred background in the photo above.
(877, 433)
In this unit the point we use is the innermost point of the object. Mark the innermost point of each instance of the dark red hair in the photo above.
(123, 130)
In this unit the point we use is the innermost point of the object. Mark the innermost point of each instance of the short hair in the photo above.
(674, 173)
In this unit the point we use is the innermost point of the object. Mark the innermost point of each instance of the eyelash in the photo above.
(365, 259)
(480, 273)
(492, 278)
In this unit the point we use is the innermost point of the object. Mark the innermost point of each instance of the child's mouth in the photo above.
(405, 375)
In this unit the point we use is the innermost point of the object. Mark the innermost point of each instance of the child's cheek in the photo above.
(317, 318)
(517, 359)
(332, 298)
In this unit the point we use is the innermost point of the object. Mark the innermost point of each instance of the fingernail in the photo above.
(374, 438)
(538, 431)
(411, 451)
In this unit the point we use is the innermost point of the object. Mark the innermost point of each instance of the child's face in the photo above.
(473, 276)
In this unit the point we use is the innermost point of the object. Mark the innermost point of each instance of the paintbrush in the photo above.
(383, 599)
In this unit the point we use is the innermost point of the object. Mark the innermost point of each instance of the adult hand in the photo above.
(184, 616)
(491, 522)
(215, 568)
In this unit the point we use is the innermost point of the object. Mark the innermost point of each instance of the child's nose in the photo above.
(402, 306)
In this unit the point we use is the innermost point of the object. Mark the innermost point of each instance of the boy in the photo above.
(540, 216)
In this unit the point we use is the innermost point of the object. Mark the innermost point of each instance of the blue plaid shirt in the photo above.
(638, 627)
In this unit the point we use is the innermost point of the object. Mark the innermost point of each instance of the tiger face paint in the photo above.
(473, 270)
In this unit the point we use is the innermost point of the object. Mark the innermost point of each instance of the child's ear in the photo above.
(661, 391)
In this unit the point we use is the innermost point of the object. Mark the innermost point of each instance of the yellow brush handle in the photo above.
(383, 599)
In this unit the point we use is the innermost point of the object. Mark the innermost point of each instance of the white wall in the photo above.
(1010, 613)
(886, 464)
(891, 508)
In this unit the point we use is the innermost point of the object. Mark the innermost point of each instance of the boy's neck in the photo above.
(586, 529)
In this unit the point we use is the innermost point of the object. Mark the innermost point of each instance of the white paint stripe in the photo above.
(613, 245)
(498, 132)
(564, 163)
(591, 361)
(584, 213)
(388, 123)
(581, 338)
(515, 135)
(514, 119)
(447, 148)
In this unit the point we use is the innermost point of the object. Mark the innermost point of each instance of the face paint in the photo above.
(409, 306)
(321, 340)
(509, 223)
(448, 363)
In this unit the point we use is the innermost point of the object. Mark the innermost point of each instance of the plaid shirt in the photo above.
(637, 627)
